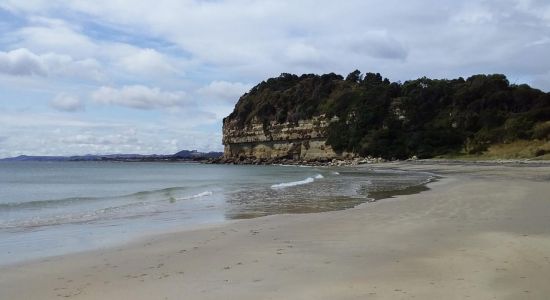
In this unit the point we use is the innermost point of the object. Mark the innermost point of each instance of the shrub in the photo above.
(541, 131)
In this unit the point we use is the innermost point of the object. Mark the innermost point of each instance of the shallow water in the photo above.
(51, 208)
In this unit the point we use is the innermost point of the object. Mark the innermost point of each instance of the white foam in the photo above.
(335, 173)
(293, 183)
(199, 195)
(203, 194)
(319, 176)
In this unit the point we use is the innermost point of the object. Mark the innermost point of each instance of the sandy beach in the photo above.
(482, 231)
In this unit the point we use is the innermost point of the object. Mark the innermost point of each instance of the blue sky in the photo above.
(119, 76)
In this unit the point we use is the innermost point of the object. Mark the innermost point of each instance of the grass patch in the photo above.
(521, 149)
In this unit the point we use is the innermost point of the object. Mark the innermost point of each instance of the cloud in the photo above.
(476, 16)
(67, 103)
(22, 62)
(64, 65)
(127, 55)
(255, 39)
(94, 139)
(148, 62)
(224, 90)
(543, 81)
(55, 35)
(301, 53)
(26, 6)
(33, 120)
(378, 44)
(139, 97)
(55, 133)
(95, 56)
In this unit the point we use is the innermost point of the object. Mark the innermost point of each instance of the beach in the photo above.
(482, 231)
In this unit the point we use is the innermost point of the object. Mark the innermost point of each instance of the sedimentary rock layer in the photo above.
(304, 140)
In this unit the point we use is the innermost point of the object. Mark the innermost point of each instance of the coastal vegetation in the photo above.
(372, 116)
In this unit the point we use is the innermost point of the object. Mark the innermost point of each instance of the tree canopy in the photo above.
(423, 117)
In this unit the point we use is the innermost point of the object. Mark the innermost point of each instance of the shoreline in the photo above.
(475, 233)
(35, 246)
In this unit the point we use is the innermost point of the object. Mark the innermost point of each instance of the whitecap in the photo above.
(292, 183)
(199, 195)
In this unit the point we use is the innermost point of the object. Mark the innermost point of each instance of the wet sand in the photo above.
(480, 232)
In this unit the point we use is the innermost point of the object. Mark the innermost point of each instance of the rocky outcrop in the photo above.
(303, 140)
(282, 117)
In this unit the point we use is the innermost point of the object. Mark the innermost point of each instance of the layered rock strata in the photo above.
(303, 141)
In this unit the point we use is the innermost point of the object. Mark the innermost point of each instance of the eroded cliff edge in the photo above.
(301, 140)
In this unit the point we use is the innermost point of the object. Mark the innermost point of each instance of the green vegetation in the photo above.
(423, 117)
(520, 149)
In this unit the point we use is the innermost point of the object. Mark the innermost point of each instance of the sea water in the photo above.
(53, 208)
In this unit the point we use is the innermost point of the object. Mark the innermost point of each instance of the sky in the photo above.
(138, 76)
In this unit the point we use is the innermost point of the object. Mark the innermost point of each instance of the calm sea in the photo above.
(53, 208)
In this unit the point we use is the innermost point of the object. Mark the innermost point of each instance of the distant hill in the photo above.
(184, 155)
(370, 115)
(195, 154)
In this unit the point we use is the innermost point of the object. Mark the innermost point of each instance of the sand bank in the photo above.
(480, 232)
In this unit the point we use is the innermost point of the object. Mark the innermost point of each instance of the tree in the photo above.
(354, 76)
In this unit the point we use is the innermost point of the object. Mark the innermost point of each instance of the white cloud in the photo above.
(95, 139)
(255, 39)
(29, 120)
(55, 35)
(132, 46)
(148, 62)
(478, 16)
(94, 58)
(138, 96)
(22, 62)
(63, 134)
(219, 97)
(302, 53)
(66, 102)
(64, 65)
(224, 90)
(378, 44)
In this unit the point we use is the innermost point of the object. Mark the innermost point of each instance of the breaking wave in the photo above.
(295, 183)
(199, 195)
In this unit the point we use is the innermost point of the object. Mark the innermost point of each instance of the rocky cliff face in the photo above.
(304, 140)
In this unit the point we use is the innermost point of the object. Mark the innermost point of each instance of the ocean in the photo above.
(55, 208)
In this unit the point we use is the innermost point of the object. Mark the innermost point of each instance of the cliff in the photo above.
(318, 117)
(303, 140)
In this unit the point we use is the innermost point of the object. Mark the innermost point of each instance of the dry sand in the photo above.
(480, 232)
